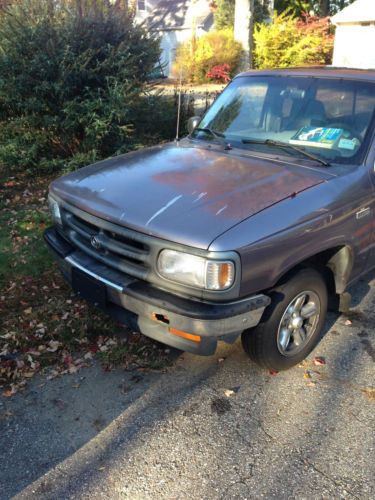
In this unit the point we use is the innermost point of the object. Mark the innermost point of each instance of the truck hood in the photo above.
(183, 193)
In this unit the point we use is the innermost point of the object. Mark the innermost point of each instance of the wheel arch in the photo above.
(335, 263)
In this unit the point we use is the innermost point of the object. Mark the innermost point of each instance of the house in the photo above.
(143, 9)
(175, 21)
(355, 35)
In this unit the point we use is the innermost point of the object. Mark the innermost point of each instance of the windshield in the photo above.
(327, 117)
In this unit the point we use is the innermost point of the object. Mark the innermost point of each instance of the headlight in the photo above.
(55, 209)
(196, 271)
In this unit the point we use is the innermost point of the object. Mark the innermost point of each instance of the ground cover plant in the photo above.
(43, 327)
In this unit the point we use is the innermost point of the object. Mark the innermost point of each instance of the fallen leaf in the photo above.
(29, 310)
(369, 392)
(348, 322)
(303, 364)
(220, 360)
(53, 374)
(53, 345)
(307, 375)
(228, 393)
(68, 360)
(319, 361)
(273, 372)
(8, 393)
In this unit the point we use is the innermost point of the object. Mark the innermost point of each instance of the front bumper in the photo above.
(157, 313)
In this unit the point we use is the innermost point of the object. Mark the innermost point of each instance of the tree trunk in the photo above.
(79, 9)
(243, 30)
(324, 7)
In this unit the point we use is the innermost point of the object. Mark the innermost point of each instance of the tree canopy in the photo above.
(321, 8)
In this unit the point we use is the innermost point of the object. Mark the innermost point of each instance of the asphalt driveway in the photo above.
(214, 427)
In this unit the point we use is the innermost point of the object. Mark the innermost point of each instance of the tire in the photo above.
(280, 341)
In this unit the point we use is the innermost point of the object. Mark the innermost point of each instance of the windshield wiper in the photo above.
(214, 133)
(286, 145)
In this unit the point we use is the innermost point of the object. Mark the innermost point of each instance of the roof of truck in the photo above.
(317, 71)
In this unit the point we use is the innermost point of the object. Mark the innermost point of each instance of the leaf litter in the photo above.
(43, 327)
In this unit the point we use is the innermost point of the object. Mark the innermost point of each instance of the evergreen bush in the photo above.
(73, 83)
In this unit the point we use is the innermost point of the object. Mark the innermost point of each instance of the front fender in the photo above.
(323, 218)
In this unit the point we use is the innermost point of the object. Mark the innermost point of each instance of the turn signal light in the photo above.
(185, 335)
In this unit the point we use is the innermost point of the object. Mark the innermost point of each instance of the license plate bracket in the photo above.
(89, 288)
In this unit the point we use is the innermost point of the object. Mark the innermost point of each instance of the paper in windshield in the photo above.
(321, 137)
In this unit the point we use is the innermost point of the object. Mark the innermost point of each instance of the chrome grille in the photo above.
(124, 251)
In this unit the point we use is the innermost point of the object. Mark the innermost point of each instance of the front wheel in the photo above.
(291, 325)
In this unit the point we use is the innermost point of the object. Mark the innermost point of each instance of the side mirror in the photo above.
(192, 123)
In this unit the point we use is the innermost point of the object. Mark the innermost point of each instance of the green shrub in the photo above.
(288, 41)
(196, 57)
(224, 13)
(73, 83)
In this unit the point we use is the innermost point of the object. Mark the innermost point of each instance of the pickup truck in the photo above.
(251, 225)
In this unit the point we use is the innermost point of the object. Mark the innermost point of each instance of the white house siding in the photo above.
(170, 40)
(355, 45)
(168, 50)
(141, 15)
(174, 21)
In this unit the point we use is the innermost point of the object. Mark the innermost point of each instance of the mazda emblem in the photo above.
(95, 242)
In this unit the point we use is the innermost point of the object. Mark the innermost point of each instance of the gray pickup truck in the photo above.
(251, 225)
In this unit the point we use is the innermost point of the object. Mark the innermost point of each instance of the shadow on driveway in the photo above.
(216, 427)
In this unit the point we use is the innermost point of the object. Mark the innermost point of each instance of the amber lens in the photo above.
(224, 275)
(185, 335)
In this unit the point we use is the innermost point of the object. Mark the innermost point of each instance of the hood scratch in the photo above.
(202, 195)
(221, 209)
(163, 209)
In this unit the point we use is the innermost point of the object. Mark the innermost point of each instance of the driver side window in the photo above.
(351, 109)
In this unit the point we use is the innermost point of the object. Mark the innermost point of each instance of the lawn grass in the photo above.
(43, 327)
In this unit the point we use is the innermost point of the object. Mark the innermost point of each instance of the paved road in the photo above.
(181, 434)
